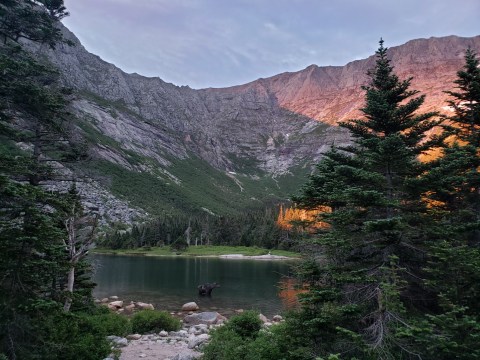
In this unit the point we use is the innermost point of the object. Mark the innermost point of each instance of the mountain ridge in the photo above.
(248, 143)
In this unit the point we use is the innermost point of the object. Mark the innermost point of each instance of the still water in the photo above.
(169, 282)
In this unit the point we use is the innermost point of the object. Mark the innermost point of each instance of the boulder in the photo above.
(117, 341)
(190, 306)
(129, 308)
(134, 337)
(277, 318)
(145, 306)
(163, 333)
(194, 341)
(115, 304)
(263, 318)
(208, 318)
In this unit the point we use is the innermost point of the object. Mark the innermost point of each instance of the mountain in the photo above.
(164, 148)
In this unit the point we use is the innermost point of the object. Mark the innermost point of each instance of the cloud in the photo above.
(205, 43)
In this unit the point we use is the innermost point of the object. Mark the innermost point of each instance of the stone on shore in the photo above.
(117, 341)
(208, 318)
(129, 308)
(145, 306)
(277, 318)
(134, 337)
(194, 341)
(115, 305)
(263, 318)
(191, 306)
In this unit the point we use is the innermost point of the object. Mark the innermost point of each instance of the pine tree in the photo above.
(452, 189)
(368, 276)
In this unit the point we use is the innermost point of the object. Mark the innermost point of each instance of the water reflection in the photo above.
(169, 282)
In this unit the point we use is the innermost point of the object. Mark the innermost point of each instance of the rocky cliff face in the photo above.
(236, 138)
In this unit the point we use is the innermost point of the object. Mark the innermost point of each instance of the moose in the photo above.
(206, 289)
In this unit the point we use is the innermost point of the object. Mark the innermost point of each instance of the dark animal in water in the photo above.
(206, 289)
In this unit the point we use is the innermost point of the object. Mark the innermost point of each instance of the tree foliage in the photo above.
(401, 234)
(34, 133)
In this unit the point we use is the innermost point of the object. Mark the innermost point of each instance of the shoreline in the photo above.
(225, 256)
(230, 253)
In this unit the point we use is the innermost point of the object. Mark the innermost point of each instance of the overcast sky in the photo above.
(218, 43)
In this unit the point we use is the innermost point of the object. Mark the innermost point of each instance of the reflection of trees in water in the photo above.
(289, 290)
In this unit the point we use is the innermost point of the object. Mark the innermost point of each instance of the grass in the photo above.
(202, 186)
(201, 250)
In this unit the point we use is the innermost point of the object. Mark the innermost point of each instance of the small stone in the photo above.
(129, 308)
(163, 333)
(268, 324)
(117, 304)
(134, 337)
(142, 355)
(119, 341)
(194, 341)
(191, 306)
(145, 306)
(263, 318)
(239, 311)
(104, 300)
(114, 297)
(277, 318)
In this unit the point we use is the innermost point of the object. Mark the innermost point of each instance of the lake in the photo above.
(169, 282)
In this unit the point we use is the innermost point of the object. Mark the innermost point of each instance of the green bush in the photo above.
(151, 321)
(246, 325)
(110, 324)
(242, 339)
(68, 336)
(225, 344)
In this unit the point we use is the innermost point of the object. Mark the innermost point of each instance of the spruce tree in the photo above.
(366, 278)
(33, 110)
(452, 190)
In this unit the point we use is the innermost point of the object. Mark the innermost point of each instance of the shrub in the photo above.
(110, 324)
(68, 336)
(152, 321)
(225, 344)
(246, 325)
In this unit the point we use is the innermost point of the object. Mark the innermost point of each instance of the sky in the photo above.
(220, 43)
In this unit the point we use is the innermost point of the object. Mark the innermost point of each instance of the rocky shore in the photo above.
(185, 344)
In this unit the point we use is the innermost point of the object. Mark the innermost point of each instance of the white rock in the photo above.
(129, 308)
(277, 318)
(191, 306)
(134, 337)
(194, 341)
(114, 297)
(117, 304)
(163, 333)
(145, 306)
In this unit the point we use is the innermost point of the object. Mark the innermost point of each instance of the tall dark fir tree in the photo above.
(365, 279)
